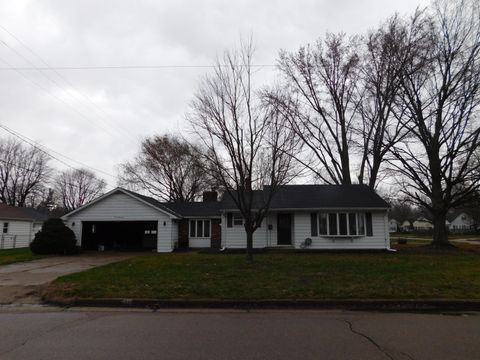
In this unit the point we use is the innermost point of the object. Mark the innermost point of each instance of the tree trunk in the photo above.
(440, 231)
(249, 244)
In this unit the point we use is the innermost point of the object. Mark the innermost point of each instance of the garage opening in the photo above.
(119, 235)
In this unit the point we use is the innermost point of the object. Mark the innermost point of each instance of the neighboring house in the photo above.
(422, 224)
(300, 216)
(406, 226)
(460, 221)
(393, 225)
(18, 226)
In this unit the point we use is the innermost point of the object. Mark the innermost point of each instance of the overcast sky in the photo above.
(98, 116)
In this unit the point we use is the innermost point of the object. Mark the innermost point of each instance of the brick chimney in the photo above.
(210, 196)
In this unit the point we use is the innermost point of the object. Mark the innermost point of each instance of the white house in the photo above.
(393, 225)
(18, 226)
(300, 216)
(460, 221)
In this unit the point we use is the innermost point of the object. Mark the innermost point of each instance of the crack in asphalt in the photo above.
(350, 326)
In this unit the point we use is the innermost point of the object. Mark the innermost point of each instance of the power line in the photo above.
(131, 67)
(48, 67)
(42, 148)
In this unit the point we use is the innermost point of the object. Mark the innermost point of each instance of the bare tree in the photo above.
(167, 167)
(78, 187)
(248, 143)
(322, 80)
(440, 91)
(23, 172)
(378, 131)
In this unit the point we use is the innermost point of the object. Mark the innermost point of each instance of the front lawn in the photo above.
(281, 276)
(17, 255)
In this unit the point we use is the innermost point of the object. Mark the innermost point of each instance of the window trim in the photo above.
(237, 217)
(195, 221)
(328, 214)
(6, 227)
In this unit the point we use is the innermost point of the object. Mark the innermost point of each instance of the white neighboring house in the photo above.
(300, 216)
(393, 225)
(422, 224)
(19, 226)
(461, 221)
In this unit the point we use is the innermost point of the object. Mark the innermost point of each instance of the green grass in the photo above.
(280, 276)
(10, 256)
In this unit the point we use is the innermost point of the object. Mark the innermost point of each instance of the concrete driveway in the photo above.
(19, 281)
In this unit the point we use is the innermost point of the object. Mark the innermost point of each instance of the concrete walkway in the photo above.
(19, 281)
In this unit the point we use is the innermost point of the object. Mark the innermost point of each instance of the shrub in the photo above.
(54, 238)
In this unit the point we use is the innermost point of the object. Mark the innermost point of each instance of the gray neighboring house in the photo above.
(461, 220)
(19, 226)
(300, 216)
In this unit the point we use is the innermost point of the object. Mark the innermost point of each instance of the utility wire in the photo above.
(130, 67)
(42, 70)
(46, 150)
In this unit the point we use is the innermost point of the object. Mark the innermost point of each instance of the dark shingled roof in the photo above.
(318, 197)
(22, 213)
(189, 209)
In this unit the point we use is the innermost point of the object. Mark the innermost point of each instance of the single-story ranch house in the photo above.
(300, 216)
(19, 226)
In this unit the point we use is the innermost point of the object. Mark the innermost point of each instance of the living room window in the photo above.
(343, 224)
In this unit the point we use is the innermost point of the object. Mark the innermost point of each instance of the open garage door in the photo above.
(119, 235)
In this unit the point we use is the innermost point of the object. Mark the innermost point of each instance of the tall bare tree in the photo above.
(322, 79)
(248, 143)
(78, 187)
(167, 167)
(24, 172)
(440, 91)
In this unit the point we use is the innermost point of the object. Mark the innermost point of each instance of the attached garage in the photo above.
(124, 220)
(119, 235)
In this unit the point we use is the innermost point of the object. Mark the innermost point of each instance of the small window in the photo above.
(352, 224)
(200, 228)
(94, 229)
(332, 224)
(237, 220)
(153, 232)
(5, 227)
(342, 221)
(368, 217)
(147, 232)
(323, 224)
(313, 224)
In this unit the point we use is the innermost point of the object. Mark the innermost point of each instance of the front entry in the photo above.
(284, 229)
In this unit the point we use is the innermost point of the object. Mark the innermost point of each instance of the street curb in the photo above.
(350, 304)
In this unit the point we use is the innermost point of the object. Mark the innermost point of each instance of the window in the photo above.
(341, 224)
(323, 224)
(199, 228)
(332, 224)
(5, 227)
(342, 221)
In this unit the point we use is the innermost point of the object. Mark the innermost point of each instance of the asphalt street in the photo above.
(50, 333)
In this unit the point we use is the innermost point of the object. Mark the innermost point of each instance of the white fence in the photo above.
(14, 241)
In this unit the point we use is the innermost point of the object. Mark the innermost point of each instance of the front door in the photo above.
(284, 229)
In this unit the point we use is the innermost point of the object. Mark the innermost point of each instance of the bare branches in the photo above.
(23, 172)
(168, 168)
(440, 91)
(75, 188)
(249, 143)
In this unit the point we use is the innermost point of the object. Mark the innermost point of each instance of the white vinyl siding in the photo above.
(121, 207)
(379, 240)
(20, 234)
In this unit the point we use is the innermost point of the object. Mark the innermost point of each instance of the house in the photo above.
(393, 225)
(422, 224)
(300, 216)
(406, 226)
(460, 221)
(19, 226)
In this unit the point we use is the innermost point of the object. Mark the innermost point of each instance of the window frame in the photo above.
(206, 228)
(333, 218)
(6, 227)
(235, 218)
